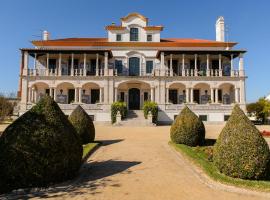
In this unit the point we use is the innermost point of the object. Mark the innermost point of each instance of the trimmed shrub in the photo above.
(83, 124)
(41, 147)
(153, 107)
(187, 129)
(240, 150)
(118, 106)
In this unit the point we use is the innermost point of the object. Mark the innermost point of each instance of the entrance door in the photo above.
(94, 96)
(134, 99)
(196, 96)
(134, 66)
(173, 96)
(71, 95)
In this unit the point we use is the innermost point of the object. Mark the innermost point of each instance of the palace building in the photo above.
(135, 64)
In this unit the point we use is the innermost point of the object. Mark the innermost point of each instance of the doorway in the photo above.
(134, 99)
(196, 96)
(71, 95)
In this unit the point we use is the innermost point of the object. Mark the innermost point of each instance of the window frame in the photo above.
(118, 35)
(151, 36)
(132, 37)
(146, 66)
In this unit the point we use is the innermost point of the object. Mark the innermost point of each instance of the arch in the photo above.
(134, 14)
(40, 83)
(175, 84)
(227, 92)
(91, 85)
(201, 93)
(65, 92)
(128, 84)
(69, 84)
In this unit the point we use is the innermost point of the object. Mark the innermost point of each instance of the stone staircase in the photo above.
(135, 118)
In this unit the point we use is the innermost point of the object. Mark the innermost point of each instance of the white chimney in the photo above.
(220, 29)
(46, 35)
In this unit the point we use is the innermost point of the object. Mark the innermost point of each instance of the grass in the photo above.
(201, 156)
(88, 148)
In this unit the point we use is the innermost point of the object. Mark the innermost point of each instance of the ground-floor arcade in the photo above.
(211, 100)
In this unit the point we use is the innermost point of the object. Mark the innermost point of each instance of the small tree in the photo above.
(40, 148)
(240, 150)
(187, 129)
(118, 106)
(83, 124)
(153, 107)
(6, 108)
(261, 109)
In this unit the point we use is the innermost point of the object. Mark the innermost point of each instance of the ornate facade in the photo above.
(134, 64)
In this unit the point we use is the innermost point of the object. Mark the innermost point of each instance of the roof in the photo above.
(134, 14)
(103, 42)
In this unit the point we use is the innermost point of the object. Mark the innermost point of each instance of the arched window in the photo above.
(134, 34)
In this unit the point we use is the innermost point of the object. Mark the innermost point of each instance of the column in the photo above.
(106, 64)
(54, 94)
(115, 94)
(152, 94)
(242, 92)
(80, 95)
(100, 95)
(29, 94)
(35, 61)
(171, 68)
(24, 66)
(191, 95)
(26, 60)
(183, 65)
(219, 65)
(106, 92)
(162, 67)
(167, 95)
(76, 96)
(84, 64)
(72, 66)
(97, 63)
(196, 67)
(232, 70)
(236, 95)
(33, 95)
(212, 95)
(51, 92)
(216, 95)
(187, 95)
(60, 64)
(241, 65)
(207, 65)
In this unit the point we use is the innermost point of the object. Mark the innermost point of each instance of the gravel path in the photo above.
(137, 163)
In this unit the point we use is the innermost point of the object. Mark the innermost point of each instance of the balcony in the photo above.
(200, 107)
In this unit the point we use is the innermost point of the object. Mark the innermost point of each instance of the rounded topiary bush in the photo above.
(83, 124)
(41, 147)
(187, 129)
(240, 150)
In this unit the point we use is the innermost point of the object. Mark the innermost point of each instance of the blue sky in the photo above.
(247, 20)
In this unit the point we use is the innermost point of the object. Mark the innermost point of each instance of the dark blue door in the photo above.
(134, 66)
(134, 99)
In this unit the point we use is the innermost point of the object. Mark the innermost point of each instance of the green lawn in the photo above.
(202, 157)
(87, 148)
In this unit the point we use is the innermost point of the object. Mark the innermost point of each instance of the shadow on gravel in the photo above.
(209, 142)
(109, 142)
(91, 179)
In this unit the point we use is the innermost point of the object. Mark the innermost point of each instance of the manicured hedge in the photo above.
(118, 106)
(83, 125)
(240, 150)
(41, 147)
(187, 129)
(153, 107)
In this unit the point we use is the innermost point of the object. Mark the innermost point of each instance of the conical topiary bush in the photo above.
(240, 150)
(187, 129)
(83, 125)
(41, 147)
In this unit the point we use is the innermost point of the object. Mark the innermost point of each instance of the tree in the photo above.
(261, 109)
(6, 108)
(240, 150)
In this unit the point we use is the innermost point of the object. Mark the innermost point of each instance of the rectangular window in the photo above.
(134, 34)
(149, 38)
(203, 118)
(149, 66)
(118, 37)
(119, 66)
